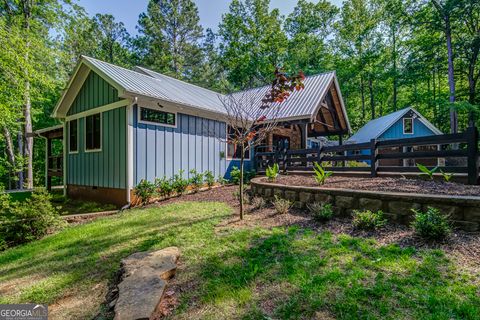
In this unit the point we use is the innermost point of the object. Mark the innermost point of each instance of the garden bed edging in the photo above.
(463, 211)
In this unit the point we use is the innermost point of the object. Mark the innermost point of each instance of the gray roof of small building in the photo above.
(145, 82)
(376, 127)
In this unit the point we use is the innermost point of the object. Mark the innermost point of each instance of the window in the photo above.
(234, 151)
(93, 132)
(73, 136)
(408, 125)
(157, 117)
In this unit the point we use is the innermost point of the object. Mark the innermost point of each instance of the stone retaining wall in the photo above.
(464, 211)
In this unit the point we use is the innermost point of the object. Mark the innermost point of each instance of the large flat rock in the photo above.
(144, 282)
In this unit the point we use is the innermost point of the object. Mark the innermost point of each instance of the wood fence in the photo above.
(460, 148)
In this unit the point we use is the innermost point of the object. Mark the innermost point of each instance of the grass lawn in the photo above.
(249, 273)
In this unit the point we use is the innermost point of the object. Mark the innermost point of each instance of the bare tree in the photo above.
(252, 115)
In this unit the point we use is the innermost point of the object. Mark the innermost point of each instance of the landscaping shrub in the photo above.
(27, 221)
(368, 220)
(221, 180)
(246, 196)
(281, 205)
(247, 175)
(425, 172)
(258, 203)
(447, 177)
(431, 225)
(196, 180)
(320, 174)
(180, 184)
(320, 211)
(209, 179)
(272, 172)
(164, 187)
(145, 190)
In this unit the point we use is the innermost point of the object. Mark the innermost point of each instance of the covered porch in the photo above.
(54, 165)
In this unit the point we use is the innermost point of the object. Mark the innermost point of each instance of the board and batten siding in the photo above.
(396, 130)
(105, 168)
(196, 143)
(95, 92)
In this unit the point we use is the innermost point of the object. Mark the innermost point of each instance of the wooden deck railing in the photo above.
(339, 158)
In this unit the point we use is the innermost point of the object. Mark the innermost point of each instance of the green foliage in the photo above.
(196, 180)
(321, 175)
(164, 187)
(145, 190)
(282, 206)
(320, 211)
(179, 183)
(221, 180)
(427, 173)
(368, 220)
(30, 220)
(447, 177)
(272, 172)
(247, 175)
(209, 179)
(431, 225)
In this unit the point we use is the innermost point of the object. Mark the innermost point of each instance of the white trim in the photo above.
(85, 134)
(165, 110)
(67, 93)
(129, 123)
(105, 108)
(413, 125)
(40, 131)
(78, 136)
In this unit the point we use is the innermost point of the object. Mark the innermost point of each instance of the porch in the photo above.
(53, 137)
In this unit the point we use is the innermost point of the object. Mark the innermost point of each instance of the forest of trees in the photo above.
(388, 54)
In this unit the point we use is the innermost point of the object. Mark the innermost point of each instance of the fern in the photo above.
(321, 175)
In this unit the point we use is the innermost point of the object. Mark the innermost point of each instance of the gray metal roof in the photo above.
(145, 82)
(374, 128)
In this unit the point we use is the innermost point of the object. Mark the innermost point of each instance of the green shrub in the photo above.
(221, 180)
(282, 206)
(320, 211)
(246, 197)
(29, 220)
(180, 184)
(209, 179)
(145, 190)
(431, 225)
(272, 172)
(425, 172)
(247, 175)
(196, 180)
(368, 220)
(320, 174)
(164, 187)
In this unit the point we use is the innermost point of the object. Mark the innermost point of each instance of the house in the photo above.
(120, 126)
(405, 123)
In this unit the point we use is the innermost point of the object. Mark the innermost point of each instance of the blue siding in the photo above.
(396, 131)
(160, 151)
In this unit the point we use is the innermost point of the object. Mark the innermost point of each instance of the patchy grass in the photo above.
(256, 273)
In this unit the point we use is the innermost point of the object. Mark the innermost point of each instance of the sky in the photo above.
(127, 11)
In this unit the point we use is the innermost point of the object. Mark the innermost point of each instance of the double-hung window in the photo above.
(93, 133)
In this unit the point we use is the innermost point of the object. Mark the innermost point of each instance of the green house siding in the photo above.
(95, 92)
(106, 168)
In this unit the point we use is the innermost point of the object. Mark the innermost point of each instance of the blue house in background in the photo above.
(405, 123)
(122, 126)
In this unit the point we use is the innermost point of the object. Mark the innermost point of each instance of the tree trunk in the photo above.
(28, 152)
(451, 77)
(372, 98)
(362, 89)
(395, 80)
(20, 149)
(242, 158)
(10, 152)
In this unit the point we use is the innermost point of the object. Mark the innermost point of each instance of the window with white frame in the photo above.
(73, 136)
(408, 125)
(93, 132)
(153, 116)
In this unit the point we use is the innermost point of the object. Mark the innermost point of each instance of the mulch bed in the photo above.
(383, 184)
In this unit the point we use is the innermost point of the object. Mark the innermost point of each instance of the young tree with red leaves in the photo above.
(250, 121)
